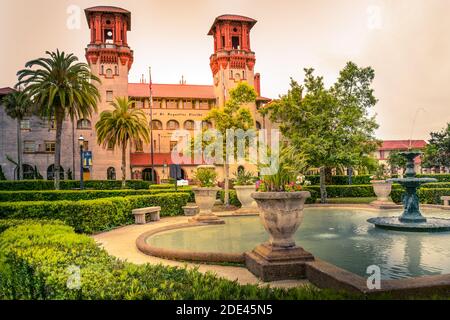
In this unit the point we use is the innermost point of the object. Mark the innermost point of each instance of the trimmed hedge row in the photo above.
(426, 195)
(69, 185)
(353, 191)
(365, 179)
(72, 195)
(90, 216)
(234, 201)
(39, 261)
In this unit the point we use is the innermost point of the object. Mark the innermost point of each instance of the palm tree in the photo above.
(60, 86)
(121, 126)
(17, 106)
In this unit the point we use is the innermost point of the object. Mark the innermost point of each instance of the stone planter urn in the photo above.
(244, 194)
(205, 198)
(281, 214)
(382, 189)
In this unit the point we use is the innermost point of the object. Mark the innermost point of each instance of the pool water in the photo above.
(342, 237)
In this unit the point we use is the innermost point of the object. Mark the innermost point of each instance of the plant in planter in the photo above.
(382, 188)
(280, 200)
(205, 195)
(245, 186)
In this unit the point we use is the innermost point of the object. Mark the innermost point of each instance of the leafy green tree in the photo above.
(60, 86)
(120, 127)
(233, 115)
(330, 126)
(437, 153)
(17, 106)
(396, 161)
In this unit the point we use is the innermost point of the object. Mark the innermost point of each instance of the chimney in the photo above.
(258, 84)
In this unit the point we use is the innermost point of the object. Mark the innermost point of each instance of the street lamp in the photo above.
(81, 142)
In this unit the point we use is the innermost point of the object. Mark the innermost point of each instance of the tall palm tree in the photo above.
(120, 127)
(17, 106)
(60, 86)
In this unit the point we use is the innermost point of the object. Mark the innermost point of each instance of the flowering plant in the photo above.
(297, 186)
(206, 177)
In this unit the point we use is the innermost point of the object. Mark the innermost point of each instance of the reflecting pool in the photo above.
(342, 237)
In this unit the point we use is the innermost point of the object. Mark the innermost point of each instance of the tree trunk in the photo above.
(124, 164)
(323, 190)
(73, 150)
(19, 152)
(57, 169)
(227, 184)
(328, 175)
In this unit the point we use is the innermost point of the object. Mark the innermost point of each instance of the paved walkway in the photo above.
(121, 243)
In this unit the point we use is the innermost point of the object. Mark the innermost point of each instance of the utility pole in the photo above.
(152, 159)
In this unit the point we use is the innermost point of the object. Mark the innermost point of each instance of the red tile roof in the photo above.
(5, 91)
(403, 144)
(232, 17)
(109, 9)
(171, 91)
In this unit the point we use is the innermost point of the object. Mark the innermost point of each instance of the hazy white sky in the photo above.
(407, 42)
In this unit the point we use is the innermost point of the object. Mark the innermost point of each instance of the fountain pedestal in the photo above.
(281, 214)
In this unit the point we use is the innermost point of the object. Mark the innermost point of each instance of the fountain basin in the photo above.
(429, 225)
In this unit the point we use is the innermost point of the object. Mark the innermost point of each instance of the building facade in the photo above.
(174, 106)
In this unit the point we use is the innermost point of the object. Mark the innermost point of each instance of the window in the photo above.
(51, 172)
(52, 124)
(189, 125)
(173, 125)
(109, 73)
(84, 124)
(29, 146)
(28, 172)
(223, 41)
(111, 173)
(231, 74)
(187, 104)
(50, 146)
(173, 145)
(109, 36)
(204, 104)
(157, 103)
(116, 69)
(206, 125)
(235, 43)
(109, 96)
(139, 146)
(157, 125)
(25, 124)
(258, 126)
(110, 145)
(172, 104)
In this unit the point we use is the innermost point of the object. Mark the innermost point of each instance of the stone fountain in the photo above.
(411, 219)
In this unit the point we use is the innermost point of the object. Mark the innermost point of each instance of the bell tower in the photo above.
(109, 58)
(233, 60)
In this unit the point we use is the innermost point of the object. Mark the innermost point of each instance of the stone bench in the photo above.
(446, 200)
(140, 214)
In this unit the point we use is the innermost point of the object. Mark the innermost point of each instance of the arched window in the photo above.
(189, 125)
(109, 73)
(147, 175)
(111, 173)
(84, 124)
(206, 125)
(157, 125)
(258, 125)
(173, 125)
(51, 173)
(241, 169)
(27, 172)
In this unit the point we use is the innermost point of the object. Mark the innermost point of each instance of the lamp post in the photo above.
(81, 142)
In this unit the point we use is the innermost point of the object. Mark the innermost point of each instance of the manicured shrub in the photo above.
(69, 185)
(426, 195)
(234, 201)
(76, 195)
(91, 216)
(439, 177)
(341, 180)
(436, 185)
(36, 262)
(353, 191)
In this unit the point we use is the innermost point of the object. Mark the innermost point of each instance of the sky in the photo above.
(407, 43)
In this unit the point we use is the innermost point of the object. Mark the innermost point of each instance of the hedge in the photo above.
(38, 261)
(69, 185)
(353, 191)
(426, 195)
(71, 195)
(90, 216)
(234, 201)
(365, 179)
